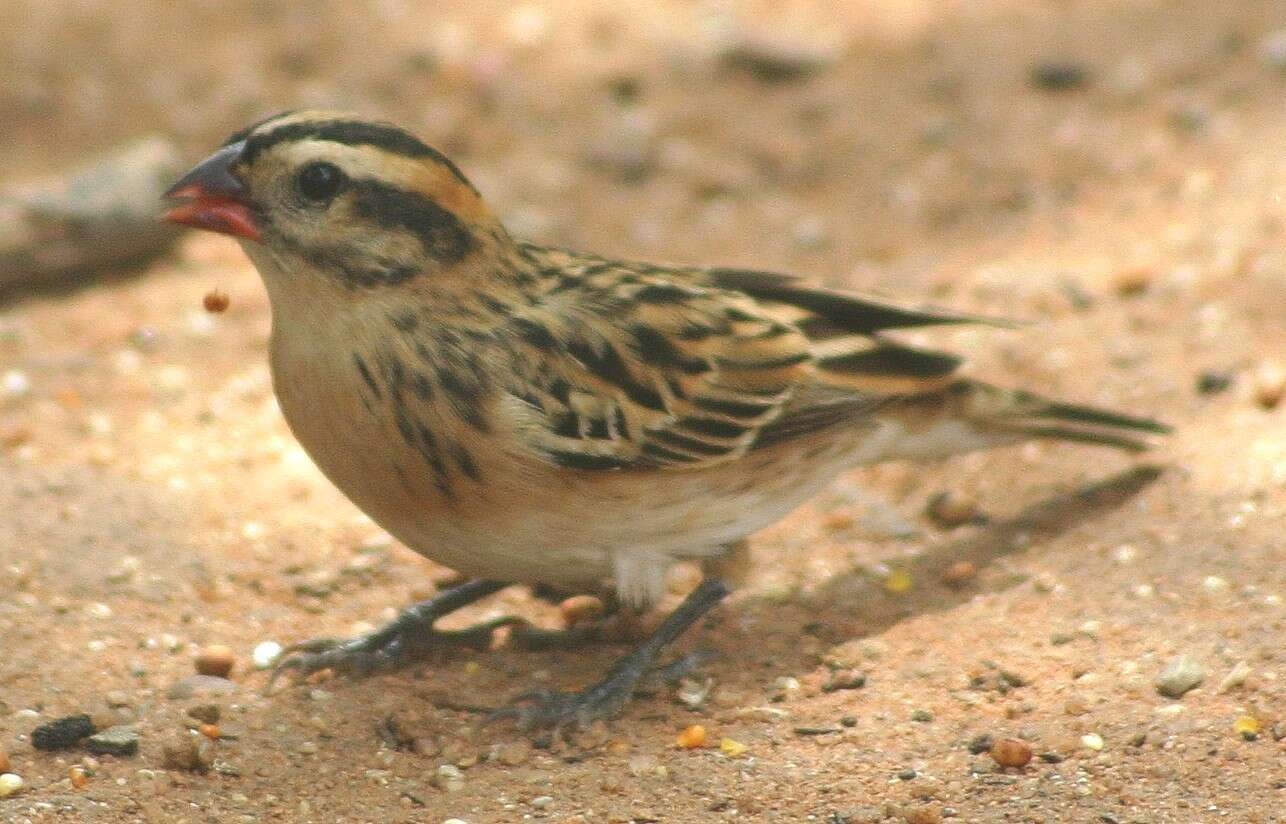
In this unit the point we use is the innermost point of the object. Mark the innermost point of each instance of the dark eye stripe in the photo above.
(350, 133)
(442, 234)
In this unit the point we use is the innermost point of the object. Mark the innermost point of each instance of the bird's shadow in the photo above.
(856, 604)
(849, 606)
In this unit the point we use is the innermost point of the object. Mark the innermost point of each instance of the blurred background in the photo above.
(1110, 170)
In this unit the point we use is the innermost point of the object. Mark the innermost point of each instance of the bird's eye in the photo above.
(320, 181)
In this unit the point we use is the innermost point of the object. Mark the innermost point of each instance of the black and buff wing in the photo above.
(630, 366)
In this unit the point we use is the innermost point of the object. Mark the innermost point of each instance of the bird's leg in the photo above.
(548, 708)
(403, 640)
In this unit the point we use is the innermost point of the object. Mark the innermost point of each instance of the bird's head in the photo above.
(321, 194)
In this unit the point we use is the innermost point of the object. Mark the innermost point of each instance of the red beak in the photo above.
(213, 199)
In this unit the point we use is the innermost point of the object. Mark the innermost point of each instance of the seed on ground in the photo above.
(691, 738)
(216, 301)
(732, 748)
(1011, 752)
(215, 660)
(959, 574)
(10, 784)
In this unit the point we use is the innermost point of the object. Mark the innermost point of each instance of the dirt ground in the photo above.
(1112, 172)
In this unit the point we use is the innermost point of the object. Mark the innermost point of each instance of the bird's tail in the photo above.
(1015, 415)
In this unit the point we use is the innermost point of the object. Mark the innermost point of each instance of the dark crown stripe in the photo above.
(242, 134)
(350, 133)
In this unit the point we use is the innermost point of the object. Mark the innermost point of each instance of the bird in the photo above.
(525, 414)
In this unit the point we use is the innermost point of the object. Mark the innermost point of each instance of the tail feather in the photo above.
(1031, 416)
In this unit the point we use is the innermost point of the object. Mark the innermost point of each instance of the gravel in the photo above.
(122, 740)
(63, 733)
(1182, 674)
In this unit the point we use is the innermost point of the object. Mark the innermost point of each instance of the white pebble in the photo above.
(455, 821)
(1125, 553)
(1236, 677)
(1213, 583)
(10, 784)
(15, 384)
(540, 802)
(1092, 741)
(1272, 50)
(265, 654)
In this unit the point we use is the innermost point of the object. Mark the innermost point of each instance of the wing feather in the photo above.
(628, 366)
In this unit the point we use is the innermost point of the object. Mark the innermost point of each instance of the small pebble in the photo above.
(922, 815)
(187, 752)
(777, 60)
(215, 660)
(513, 753)
(959, 574)
(732, 748)
(265, 654)
(10, 784)
(950, 509)
(907, 775)
(1059, 76)
(122, 740)
(1270, 385)
(15, 384)
(845, 679)
(78, 776)
(980, 744)
(540, 802)
(62, 733)
(1213, 382)
(1092, 741)
(1236, 677)
(1179, 676)
(922, 716)
(207, 713)
(200, 686)
(215, 301)
(691, 738)
(581, 609)
(1272, 50)
(1133, 281)
(449, 778)
(1011, 752)
(117, 699)
(210, 731)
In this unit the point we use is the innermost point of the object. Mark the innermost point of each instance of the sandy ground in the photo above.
(155, 502)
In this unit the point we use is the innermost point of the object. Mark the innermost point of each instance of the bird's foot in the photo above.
(408, 638)
(559, 711)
